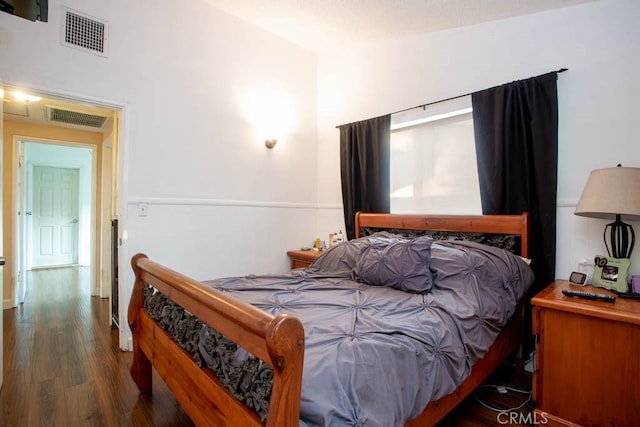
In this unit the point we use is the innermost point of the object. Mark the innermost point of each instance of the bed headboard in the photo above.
(480, 227)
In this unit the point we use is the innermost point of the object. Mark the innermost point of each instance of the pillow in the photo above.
(340, 259)
(398, 264)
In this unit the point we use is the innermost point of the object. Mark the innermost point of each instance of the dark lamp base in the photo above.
(619, 239)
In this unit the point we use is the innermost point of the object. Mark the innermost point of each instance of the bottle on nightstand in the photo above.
(586, 266)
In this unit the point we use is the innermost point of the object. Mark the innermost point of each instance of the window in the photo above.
(433, 160)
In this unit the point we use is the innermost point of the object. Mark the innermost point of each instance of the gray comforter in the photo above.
(375, 355)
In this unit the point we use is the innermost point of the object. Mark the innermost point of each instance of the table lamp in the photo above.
(613, 193)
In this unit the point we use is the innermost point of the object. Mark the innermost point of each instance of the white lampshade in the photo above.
(611, 191)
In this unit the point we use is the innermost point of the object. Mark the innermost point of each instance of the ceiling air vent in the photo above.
(75, 118)
(84, 32)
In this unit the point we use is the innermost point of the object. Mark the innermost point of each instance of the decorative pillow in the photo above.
(399, 264)
(339, 260)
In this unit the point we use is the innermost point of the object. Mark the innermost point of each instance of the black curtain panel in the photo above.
(364, 165)
(516, 132)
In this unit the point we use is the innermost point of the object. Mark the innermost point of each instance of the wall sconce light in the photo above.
(270, 143)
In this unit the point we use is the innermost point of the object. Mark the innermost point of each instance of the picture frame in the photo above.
(611, 273)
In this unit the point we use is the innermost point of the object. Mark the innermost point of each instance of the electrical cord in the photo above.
(496, 387)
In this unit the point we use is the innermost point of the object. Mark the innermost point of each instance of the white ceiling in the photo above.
(322, 24)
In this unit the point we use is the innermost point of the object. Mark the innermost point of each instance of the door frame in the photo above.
(120, 184)
(2, 225)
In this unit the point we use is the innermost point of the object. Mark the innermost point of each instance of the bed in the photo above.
(278, 350)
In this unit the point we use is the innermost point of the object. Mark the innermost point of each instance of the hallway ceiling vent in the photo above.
(75, 118)
(84, 32)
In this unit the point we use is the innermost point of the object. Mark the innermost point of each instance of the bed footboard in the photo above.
(276, 340)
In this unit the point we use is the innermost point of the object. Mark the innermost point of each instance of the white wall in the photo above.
(201, 91)
(598, 42)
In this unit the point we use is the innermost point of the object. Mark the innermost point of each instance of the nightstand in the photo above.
(303, 259)
(587, 358)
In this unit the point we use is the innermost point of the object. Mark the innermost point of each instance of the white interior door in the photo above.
(55, 216)
(21, 225)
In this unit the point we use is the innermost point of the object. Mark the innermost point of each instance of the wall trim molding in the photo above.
(186, 201)
(567, 203)
(229, 203)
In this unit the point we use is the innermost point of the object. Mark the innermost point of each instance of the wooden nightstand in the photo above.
(303, 259)
(587, 358)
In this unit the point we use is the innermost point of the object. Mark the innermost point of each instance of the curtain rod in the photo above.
(561, 70)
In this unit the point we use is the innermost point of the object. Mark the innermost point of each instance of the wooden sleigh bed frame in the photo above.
(279, 340)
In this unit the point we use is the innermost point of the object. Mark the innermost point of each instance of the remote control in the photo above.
(589, 295)
(627, 295)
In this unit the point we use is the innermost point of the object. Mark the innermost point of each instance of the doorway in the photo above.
(56, 210)
(43, 183)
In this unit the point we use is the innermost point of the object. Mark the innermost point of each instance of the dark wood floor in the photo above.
(63, 367)
(62, 364)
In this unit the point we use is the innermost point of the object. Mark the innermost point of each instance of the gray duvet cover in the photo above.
(376, 355)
